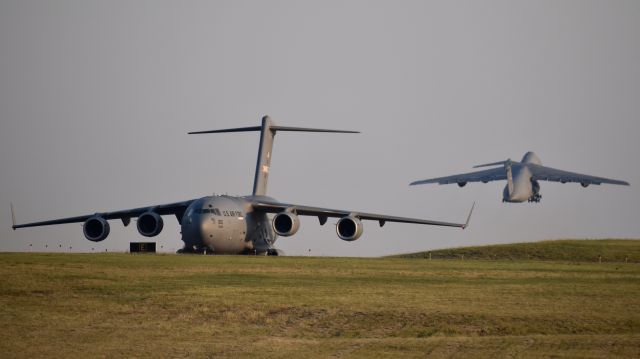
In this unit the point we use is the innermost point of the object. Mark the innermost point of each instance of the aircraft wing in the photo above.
(176, 208)
(324, 213)
(493, 174)
(551, 174)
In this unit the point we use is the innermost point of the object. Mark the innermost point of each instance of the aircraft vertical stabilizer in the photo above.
(507, 167)
(267, 133)
(264, 158)
(508, 171)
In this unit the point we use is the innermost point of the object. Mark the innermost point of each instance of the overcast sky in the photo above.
(96, 98)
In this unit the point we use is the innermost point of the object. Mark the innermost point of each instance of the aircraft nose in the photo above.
(203, 224)
(191, 230)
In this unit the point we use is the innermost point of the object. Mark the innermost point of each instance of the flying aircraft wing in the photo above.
(176, 208)
(551, 174)
(324, 213)
(493, 174)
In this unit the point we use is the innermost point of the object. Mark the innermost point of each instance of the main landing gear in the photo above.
(535, 198)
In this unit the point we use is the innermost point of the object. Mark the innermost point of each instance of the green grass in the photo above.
(605, 250)
(121, 305)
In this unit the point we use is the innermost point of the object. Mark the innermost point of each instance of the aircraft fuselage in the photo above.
(524, 187)
(227, 225)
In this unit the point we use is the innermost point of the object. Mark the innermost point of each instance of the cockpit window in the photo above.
(215, 211)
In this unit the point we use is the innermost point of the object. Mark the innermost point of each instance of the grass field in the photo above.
(121, 305)
(600, 250)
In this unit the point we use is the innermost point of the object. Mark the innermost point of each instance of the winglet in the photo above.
(466, 224)
(13, 217)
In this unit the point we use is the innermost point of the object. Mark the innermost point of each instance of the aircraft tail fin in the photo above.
(267, 133)
(238, 129)
(507, 168)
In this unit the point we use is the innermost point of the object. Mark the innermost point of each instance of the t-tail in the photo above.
(508, 171)
(267, 133)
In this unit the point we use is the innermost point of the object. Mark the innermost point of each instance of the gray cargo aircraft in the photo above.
(522, 178)
(235, 225)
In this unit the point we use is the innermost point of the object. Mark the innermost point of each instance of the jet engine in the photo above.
(349, 228)
(584, 184)
(150, 224)
(462, 184)
(285, 224)
(96, 229)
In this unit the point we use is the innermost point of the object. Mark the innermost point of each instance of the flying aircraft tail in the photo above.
(507, 167)
(267, 133)
(499, 163)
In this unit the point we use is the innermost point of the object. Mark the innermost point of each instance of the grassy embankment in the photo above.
(112, 305)
(605, 250)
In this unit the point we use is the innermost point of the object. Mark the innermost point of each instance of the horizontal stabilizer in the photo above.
(302, 129)
(238, 129)
(272, 128)
(499, 163)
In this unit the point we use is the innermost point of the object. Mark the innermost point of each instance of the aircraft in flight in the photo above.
(224, 224)
(522, 178)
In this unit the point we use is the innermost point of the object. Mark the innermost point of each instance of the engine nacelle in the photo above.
(585, 184)
(285, 224)
(150, 224)
(96, 229)
(462, 184)
(349, 228)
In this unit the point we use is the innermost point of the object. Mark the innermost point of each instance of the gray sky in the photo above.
(96, 98)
